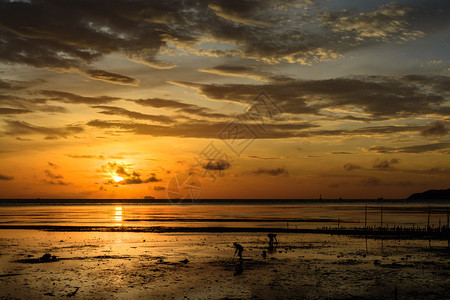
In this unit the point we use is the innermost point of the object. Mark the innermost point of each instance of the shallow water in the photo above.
(267, 216)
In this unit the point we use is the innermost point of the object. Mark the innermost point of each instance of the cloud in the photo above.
(199, 129)
(341, 152)
(6, 177)
(385, 163)
(158, 188)
(246, 72)
(72, 36)
(239, 11)
(179, 106)
(51, 175)
(437, 128)
(24, 128)
(410, 149)
(385, 24)
(111, 77)
(13, 111)
(52, 178)
(351, 167)
(216, 165)
(271, 172)
(375, 96)
(124, 174)
(76, 99)
(26, 105)
(113, 110)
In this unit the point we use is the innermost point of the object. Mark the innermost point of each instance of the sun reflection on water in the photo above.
(118, 215)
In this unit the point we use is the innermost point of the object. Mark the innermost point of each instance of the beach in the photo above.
(127, 265)
(122, 262)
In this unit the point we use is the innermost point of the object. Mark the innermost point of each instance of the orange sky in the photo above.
(278, 99)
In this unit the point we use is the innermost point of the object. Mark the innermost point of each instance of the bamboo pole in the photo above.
(365, 218)
(381, 218)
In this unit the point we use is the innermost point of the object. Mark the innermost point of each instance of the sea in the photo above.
(290, 214)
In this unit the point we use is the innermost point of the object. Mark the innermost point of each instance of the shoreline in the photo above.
(373, 233)
(189, 202)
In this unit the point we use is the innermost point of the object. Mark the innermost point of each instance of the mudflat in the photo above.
(125, 265)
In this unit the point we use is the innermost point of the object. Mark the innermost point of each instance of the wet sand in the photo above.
(126, 265)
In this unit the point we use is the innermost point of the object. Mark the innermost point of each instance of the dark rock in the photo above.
(432, 194)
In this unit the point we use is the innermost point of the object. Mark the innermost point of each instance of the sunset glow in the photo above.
(114, 100)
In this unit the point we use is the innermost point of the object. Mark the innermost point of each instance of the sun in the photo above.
(117, 178)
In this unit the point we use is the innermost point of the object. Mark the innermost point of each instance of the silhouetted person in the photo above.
(238, 250)
(272, 237)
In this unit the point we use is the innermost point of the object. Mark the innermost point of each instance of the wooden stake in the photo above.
(381, 220)
(365, 218)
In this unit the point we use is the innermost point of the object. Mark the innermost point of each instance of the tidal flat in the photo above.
(127, 265)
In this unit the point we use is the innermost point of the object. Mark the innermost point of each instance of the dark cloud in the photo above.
(385, 163)
(52, 178)
(113, 110)
(352, 166)
(179, 106)
(342, 152)
(126, 173)
(206, 129)
(29, 105)
(433, 82)
(76, 99)
(111, 77)
(216, 165)
(51, 175)
(13, 111)
(6, 177)
(437, 128)
(24, 128)
(364, 131)
(159, 188)
(55, 182)
(71, 36)
(271, 172)
(246, 72)
(377, 96)
(410, 149)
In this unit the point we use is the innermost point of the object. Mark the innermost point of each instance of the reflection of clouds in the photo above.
(118, 215)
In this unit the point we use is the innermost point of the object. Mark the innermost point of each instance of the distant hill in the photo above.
(432, 194)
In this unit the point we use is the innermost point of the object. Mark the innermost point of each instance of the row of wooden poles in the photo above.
(428, 228)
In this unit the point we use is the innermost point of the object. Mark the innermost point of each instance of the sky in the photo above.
(224, 99)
